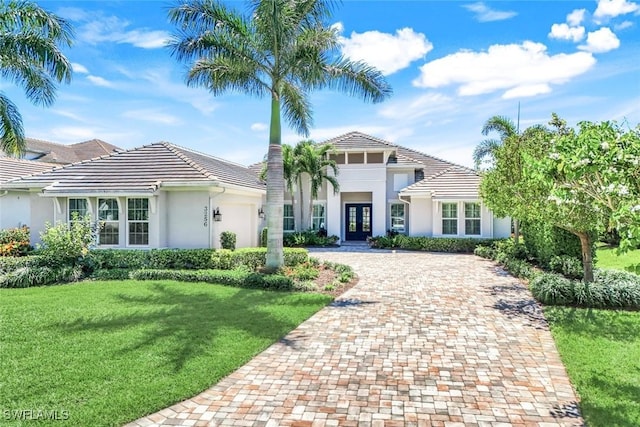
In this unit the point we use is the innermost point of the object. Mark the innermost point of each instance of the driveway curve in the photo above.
(423, 340)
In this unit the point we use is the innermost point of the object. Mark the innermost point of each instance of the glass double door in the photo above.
(357, 221)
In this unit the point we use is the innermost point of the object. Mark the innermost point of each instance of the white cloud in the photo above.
(79, 68)
(152, 115)
(485, 14)
(259, 127)
(99, 81)
(602, 40)
(158, 82)
(98, 28)
(565, 32)
(522, 69)
(612, 8)
(623, 25)
(576, 17)
(387, 52)
(420, 106)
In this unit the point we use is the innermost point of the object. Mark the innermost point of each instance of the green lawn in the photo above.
(601, 350)
(110, 352)
(607, 258)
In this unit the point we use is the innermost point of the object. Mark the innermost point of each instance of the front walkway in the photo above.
(423, 340)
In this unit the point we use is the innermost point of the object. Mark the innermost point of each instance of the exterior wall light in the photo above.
(217, 216)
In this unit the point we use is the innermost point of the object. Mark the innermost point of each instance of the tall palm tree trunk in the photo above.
(275, 190)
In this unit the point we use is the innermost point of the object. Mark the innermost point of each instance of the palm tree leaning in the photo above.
(314, 162)
(30, 56)
(282, 49)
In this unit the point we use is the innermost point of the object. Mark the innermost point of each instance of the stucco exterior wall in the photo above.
(501, 227)
(15, 209)
(421, 217)
(188, 218)
(42, 211)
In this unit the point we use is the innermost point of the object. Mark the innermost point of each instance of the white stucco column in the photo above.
(334, 209)
(379, 206)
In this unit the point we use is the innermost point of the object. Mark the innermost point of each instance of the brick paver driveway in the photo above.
(423, 339)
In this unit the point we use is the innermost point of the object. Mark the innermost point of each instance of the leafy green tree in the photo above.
(30, 56)
(282, 49)
(509, 146)
(592, 178)
(315, 164)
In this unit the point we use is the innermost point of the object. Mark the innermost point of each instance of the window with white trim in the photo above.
(318, 219)
(138, 221)
(450, 218)
(78, 208)
(109, 219)
(472, 219)
(288, 221)
(397, 217)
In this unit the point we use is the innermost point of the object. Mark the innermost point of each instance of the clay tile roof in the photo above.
(11, 168)
(141, 170)
(454, 182)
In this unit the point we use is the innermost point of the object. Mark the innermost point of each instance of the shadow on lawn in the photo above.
(618, 325)
(617, 412)
(185, 325)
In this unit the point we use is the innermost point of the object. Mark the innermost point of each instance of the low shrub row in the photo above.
(25, 277)
(431, 244)
(309, 238)
(240, 277)
(610, 289)
(188, 259)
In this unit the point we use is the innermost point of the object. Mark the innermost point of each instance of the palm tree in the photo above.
(314, 162)
(282, 49)
(30, 57)
(487, 148)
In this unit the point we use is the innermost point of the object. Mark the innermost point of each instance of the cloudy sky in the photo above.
(452, 65)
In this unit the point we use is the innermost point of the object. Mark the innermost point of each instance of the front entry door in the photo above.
(358, 221)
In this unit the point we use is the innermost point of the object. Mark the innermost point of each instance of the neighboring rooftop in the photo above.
(11, 168)
(140, 170)
(51, 152)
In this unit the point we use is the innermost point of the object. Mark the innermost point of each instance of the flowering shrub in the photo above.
(14, 242)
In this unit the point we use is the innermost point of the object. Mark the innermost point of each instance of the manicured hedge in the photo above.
(188, 259)
(431, 244)
(544, 241)
(240, 278)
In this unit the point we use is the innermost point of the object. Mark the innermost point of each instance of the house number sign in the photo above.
(205, 221)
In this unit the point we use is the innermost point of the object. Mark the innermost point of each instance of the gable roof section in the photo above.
(456, 182)
(52, 152)
(140, 170)
(360, 141)
(11, 168)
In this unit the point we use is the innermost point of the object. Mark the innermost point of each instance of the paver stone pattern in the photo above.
(423, 340)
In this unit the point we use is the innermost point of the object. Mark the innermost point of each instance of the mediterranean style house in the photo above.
(163, 195)
(387, 187)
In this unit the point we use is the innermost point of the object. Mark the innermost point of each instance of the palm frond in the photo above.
(296, 108)
(485, 150)
(504, 126)
(11, 131)
(357, 79)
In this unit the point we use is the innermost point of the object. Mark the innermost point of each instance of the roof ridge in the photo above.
(34, 162)
(49, 142)
(201, 153)
(355, 132)
(177, 151)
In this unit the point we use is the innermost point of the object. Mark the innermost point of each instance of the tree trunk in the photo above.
(299, 224)
(516, 231)
(275, 190)
(587, 260)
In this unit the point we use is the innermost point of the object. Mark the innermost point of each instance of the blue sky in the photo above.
(452, 65)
